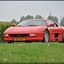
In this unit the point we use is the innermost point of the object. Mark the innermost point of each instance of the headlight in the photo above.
(6, 34)
(32, 34)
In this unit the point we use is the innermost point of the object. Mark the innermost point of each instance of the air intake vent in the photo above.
(56, 35)
(19, 35)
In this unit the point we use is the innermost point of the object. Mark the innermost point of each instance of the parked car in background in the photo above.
(35, 30)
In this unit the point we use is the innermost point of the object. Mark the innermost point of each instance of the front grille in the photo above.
(19, 35)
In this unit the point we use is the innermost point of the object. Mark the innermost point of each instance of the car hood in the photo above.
(16, 30)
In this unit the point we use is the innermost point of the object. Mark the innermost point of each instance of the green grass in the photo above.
(32, 52)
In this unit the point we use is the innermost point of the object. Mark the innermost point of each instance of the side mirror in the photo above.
(51, 25)
(13, 25)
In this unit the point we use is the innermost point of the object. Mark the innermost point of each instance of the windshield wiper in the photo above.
(21, 26)
(27, 25)
(32, 25)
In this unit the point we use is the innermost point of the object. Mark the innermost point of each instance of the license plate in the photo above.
(19, 39)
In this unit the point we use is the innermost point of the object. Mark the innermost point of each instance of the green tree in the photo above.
(22, 18)
(29, 17)
(62, 22)
(56, 19)
(13, 21)
(38, 17)
(53, 18)
(50, 17)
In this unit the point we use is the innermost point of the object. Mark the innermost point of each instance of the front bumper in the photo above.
(38, 37)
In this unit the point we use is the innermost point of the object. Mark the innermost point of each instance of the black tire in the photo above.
(46, 36)
(9, 42)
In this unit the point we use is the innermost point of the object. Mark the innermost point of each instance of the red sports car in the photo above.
(35, 30)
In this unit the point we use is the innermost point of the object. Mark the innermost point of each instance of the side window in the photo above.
(49, 22)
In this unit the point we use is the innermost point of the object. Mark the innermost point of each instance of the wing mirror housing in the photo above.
(14, 25)
(51, 25)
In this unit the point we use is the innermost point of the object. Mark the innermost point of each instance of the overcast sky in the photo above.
(16, 9)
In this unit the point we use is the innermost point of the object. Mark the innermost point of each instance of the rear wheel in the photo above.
(46, 36)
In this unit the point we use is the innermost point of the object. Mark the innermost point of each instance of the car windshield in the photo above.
(33, 23)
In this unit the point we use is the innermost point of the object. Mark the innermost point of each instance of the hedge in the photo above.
(3, 27)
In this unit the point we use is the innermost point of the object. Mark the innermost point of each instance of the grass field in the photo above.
(32, 52)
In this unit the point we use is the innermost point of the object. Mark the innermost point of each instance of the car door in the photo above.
(55, 31)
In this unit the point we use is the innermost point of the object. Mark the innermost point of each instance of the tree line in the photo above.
(50, 17)
(5, 25)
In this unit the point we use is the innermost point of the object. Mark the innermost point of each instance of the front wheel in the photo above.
(46, 36)
(10, 42)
